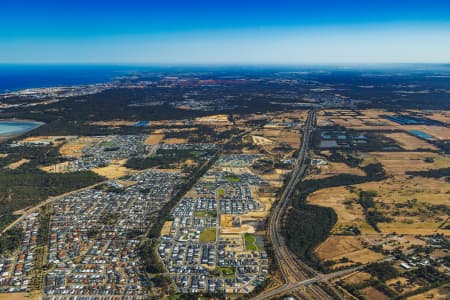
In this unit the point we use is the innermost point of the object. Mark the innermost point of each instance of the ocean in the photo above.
(18, 77)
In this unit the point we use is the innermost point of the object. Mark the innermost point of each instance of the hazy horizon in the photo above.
(232, 32)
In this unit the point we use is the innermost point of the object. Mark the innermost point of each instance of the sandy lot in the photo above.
(13, 296)
(217, 120)
(259, 140)
(165, 230)
(171, 141)
(226, 220)
(243, 229)
(154, 139)
(114, 170)
(74, 148)
(17, 164)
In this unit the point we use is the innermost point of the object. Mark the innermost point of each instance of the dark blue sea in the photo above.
(18, 77)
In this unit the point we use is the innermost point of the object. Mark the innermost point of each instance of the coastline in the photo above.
(13, 120)
(18, 78)
(10, 135)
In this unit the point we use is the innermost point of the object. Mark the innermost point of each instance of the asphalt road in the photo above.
(296, 274)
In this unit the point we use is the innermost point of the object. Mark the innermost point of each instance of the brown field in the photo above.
(347, 122)
(272, 133)
(154, 139)
(47, 139)
(114, 123)
(259, 140)
(369, 119)
(74, 148)
(114, 170)
(13, 296)
(274, 137)
(233, 230)
(435, 294)
(423, 228)
(217, 120)
(392, 242)
(409, 142)
(437, 132)
(400, 189)
(397, 163)
(402, 285)
(165, 230)
(347, 215)
(371, 293)
(337, 247)
(225, 220)
(17, 164)
(357, 277)
(441, 116)
(171, 141)
(334, 168)
(56, 168)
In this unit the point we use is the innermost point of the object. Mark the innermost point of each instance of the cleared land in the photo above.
(172, 141)
(349, 248)
(409, 142)
(411, 203)
(154, 139)
(56, 168)
(114, 170)
(336, 168)
(165, 230)
(437, 132)
(371, 293)
(74, 148)
(344, 203)
(435, 294)
(356, 277)
(397, 163)
(13, 296)
(226, 220)
(17, 164)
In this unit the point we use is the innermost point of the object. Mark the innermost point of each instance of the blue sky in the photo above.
(236, 32)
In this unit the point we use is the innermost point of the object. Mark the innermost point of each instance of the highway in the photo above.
(295, 273)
